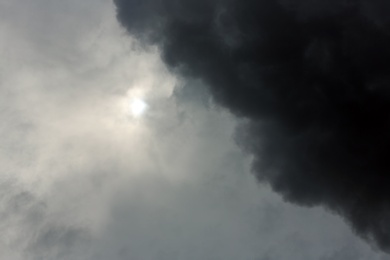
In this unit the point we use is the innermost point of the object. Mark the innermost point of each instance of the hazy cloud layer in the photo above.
(81, 179)
(312, 79)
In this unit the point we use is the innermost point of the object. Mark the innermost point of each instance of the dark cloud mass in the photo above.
(311, 78)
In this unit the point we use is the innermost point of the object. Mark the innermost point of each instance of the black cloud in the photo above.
(311, 78)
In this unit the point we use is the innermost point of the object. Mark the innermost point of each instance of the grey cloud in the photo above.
(29, 232)
(311, 80)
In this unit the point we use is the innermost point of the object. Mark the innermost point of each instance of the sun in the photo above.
(137, 107)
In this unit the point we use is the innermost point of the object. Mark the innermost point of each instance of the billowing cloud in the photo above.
(311, 79)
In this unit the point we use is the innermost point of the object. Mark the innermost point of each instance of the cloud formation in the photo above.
(81, 179)
(311, 78)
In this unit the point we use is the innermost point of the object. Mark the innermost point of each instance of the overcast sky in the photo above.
(82, 178)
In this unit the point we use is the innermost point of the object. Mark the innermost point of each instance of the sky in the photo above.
(82, 177)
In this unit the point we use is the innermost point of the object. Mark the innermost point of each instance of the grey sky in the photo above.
(82, 179)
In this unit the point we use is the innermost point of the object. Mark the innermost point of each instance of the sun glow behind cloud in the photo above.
(137, 107)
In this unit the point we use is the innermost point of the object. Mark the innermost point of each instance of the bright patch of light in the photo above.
(138, 107)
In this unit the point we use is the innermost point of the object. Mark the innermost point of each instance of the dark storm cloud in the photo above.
(311, 78)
